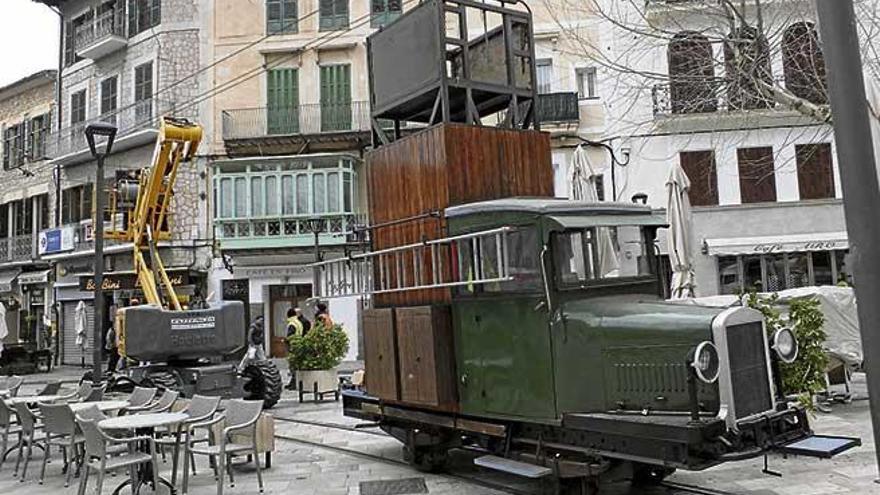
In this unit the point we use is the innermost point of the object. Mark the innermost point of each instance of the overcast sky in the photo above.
(28, 39)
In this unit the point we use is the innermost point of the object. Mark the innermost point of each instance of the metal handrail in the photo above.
(307, 118)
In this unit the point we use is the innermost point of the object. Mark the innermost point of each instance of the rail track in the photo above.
(673, 488)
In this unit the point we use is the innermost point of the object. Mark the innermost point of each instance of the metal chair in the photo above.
(96, 394)
(51, 388)
(85, 388)
(241, 417)
(139, 398)
(100, 456)
(28, 421)
(13, 383)
(61, 431)
(9, 425)
(164, 404)
(200, 408)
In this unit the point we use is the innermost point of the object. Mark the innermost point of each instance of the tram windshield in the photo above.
(585, 256)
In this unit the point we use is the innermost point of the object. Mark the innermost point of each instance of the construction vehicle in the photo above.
(192, 350)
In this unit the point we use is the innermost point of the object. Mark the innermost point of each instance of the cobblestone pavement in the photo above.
(310, 459)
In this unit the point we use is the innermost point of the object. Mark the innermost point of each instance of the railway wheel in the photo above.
(649, 474)
(263, 382)
(427, 459)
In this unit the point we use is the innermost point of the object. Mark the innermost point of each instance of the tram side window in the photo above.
(478, 259)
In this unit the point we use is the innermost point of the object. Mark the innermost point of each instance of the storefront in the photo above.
(11, 302)
(34, 288)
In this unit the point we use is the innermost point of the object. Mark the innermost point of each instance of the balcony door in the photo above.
(282, 101)
(336, 98)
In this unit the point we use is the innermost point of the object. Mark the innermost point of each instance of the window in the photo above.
(823, 273)
(747, 63)
(70, 56)
(544, 72)
(384, 11)
(803, 63)
(700, 169)
(41, 210)
(23, 217)
(281, 16)
(814, 170)
(109, 99)
(692, 74)
(78, 107)
(757, 175)
(781, 271)
(77, 204)
(143, 92)
(333, 14)
(282, 101)
(587, 255)
(143, 15)
(14, 145)
(336, 97)
(728, 273)
(39, 129)
(4, 221)
(586, 82)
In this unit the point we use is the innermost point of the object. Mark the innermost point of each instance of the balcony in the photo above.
(322, 127)
(101, 37)
(137, 124)
(708, 97)
(558, 108)
(17, 249)
(286, 231)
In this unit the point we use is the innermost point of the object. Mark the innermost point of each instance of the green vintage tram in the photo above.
(564, 356)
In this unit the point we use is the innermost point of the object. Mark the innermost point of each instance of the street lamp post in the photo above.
(316, 226)
(108, 132)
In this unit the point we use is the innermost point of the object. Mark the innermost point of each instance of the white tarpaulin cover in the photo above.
(838, 306)
(678, 238)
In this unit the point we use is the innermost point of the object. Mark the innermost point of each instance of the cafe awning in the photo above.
(33, 278)
(791, 243)
(6, 279)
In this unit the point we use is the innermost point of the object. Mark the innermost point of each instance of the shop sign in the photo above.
(127, 281)
(56, 240)
(784, 247)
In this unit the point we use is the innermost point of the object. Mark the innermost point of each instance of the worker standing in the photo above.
(296, 327)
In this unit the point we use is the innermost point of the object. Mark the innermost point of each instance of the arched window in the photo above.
(692, 74)
(747, 63)
(803, 63)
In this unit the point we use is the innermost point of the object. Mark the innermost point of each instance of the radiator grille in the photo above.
(748, 369)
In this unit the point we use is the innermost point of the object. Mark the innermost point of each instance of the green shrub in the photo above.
(319, 349)
(806, 375)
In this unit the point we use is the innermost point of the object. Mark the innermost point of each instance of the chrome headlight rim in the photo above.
(790, 355)
(706, 374)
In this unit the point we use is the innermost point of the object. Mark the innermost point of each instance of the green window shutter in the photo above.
(336, 98)
(282, 101)
(333, 14)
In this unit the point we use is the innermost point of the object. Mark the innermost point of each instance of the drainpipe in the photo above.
(58, 107)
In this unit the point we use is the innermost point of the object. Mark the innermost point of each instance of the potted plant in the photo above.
(315, 357)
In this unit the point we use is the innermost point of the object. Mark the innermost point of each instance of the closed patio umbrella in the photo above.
(678, 239)
(583, 188)
(4, 330)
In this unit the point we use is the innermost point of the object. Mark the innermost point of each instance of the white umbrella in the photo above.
(583, 188)
(4, 330)
(80, 322)
(678, 239)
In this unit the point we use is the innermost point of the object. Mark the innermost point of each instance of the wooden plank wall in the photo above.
(447, 165)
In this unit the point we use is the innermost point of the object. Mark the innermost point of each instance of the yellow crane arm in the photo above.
(177, 142)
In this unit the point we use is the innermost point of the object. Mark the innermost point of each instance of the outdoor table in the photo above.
(102, 405)
(142, 424)
(32, 399)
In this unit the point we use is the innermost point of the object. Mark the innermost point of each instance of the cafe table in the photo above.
(32, 399)
(142, 424)
(102, 405)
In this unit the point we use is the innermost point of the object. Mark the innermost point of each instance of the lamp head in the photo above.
(101, 130)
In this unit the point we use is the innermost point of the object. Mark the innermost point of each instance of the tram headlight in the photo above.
(706, 363)
(785, 345)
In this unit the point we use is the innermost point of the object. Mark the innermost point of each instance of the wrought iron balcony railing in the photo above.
(110, 23)
(309, 118)
(707, 96)
(339, 228)
(558, 107)
(17, 248)
(136, 117)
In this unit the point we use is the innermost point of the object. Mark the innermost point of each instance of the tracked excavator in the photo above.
(192, 349)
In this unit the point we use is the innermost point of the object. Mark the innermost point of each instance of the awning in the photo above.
(824, 241)
(33, 278)
(6, 279)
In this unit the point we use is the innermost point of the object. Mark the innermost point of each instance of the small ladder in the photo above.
(472, 259)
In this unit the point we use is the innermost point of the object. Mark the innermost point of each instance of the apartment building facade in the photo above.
(291, 122)
(764, 180)
(25, 206)
(127, 63)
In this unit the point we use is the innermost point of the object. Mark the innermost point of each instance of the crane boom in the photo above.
(177, 142)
